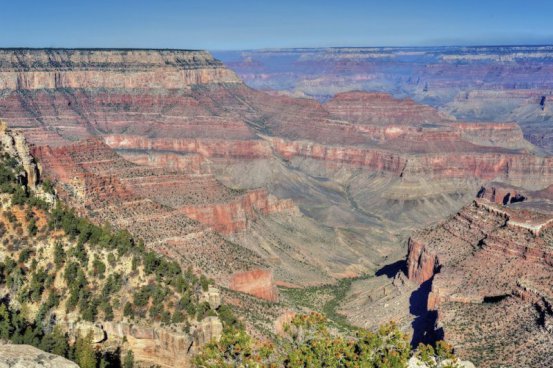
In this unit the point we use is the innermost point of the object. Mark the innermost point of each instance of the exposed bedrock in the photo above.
(502, 194)
(27, 356)
(210, 171)
(187, 163)
(233, 216)
(15, 144)
(50, 69)
(256, 282)
(476, 83)
(494, 259)
(100, 183)
(183, 215)
(162, 346)
(382, 108)
(421, 263)
(520, 169)
(527, 106)
(247, 149)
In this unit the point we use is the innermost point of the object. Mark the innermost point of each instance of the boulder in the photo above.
(26, 356)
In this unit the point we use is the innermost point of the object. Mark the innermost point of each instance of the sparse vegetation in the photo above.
(60, 262)
(309, 342)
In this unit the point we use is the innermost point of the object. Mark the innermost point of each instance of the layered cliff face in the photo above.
(530, 107)
(155, 204)
(234, 180)
(475, 83)
(80, 286)
(490, 260)
(27, 69)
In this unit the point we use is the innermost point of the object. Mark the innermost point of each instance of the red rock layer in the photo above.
(233, 216)
(381, 108)
(101, 184)
(502, 194)
(518, 168)
(257, 282)
(369, 158)
(247, 149)
(187, 163)
(422, 264)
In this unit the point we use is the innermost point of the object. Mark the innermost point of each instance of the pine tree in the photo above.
(85, 355)
(129, 360)
(6, 329)
(59, 255)
(59, 345)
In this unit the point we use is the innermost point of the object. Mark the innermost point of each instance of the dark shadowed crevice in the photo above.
(495, 298)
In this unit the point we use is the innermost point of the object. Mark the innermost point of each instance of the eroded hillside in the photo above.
(63, 278)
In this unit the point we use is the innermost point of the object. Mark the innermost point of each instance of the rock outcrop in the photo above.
(422, 264)
(26, 356)
(257, 282)
(211, 296)
(14, 144)
(233, 216)
(491, 259)
(162, 346)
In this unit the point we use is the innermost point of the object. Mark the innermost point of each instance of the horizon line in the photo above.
(475, 46)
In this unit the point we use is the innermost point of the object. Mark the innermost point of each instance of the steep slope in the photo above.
(488, 260)
(62, 277)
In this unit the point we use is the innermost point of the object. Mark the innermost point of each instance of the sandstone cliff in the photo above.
(15, 145)
(80, 68)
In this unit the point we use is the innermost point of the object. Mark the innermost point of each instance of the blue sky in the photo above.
(228, 24)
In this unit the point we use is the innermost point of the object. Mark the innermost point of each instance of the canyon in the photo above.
(489, 83)
(486, 258)
(267, 191)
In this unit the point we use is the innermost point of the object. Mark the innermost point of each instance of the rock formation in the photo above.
(162, 346)
(504, 83)
(488, 260)
(15, 145)
(257, 282)
(27, 69)
(26, 356)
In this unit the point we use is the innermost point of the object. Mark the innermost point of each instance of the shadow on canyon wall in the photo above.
(424, 325)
